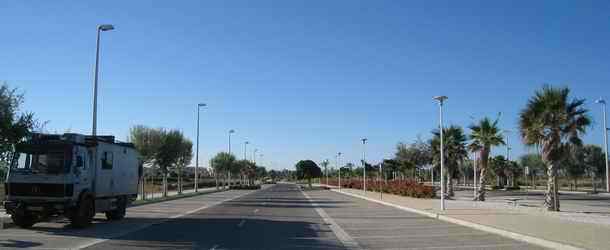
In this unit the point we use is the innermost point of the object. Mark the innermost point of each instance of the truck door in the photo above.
(82, 169)
(104, 181)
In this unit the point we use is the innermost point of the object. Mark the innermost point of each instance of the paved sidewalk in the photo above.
(534, 224)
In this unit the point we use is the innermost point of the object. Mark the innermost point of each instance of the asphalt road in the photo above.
(278, 217)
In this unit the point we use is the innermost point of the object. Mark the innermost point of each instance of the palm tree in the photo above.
(485, 135)
(454, 149)
(551, 120)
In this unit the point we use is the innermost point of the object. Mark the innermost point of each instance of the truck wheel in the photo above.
(119, 212)
(23, 220)
(84, 214)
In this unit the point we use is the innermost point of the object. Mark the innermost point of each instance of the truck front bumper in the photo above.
(41, 208)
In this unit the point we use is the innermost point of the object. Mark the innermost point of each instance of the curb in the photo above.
(489, 229)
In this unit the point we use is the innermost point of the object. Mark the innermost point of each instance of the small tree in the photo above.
(14, 124)
(222, 163)
(169, 153)
(307, 169)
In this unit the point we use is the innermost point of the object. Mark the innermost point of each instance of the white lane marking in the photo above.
(128, 231)
(214, 247)
(470, 246)
(256, 210)
(419, 236)
(241, 223)
(347, 240)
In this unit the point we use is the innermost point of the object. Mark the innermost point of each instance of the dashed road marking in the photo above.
(138, 228)
(241, 223)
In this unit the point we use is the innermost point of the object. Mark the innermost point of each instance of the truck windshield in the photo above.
(51, 162)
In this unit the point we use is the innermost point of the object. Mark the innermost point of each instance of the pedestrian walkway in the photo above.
(547, 226)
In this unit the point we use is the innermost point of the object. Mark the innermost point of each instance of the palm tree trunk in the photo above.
(550, 202)
(450, 192)
(484, 157)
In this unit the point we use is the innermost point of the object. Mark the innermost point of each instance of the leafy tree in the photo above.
(498, 166)
(454, 150)
(574, 162)
(169, 153)
(551, 120)
(535, 165)
(594, 161)
(15, 124)
(413, 156)
(307, 169)
(484, 135)
(184, 158)
(147, 141)
(222, 164)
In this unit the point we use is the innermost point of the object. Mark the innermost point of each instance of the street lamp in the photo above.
(197, 154)
(254, 155)
(605, 130)
(100, 28)
(230, 132)
(508, 148)
(339, 167)
(364, 163)
(380, 180)
(441, 100)
(245, 149)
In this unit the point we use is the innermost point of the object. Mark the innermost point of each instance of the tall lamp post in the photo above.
(254, 155)
(100, 28)
(364, 163)
(339, 167)
(246, 149)
(230, 132)
(508, 148)
(441, 100)
(197, 153)
(605, 130)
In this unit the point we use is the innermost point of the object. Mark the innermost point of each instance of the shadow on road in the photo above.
(18, 244)
(206, 233)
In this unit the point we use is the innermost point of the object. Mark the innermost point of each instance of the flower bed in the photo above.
(398, 187)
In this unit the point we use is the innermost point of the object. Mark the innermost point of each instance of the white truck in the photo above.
(71, 175)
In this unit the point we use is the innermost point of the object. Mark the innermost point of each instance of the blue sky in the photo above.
(302, 79)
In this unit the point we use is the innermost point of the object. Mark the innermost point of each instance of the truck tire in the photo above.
(23, 220)
(85, 211)
(119, 212)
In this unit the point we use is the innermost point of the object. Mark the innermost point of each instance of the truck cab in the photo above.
(71, 175)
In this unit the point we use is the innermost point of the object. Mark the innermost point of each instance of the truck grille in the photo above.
(40, 189)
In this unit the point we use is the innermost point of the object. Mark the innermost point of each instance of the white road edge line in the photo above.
(347, 240)
(119, 234)
(516, 236)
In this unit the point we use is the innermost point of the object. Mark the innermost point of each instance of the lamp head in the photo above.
(600, 101)
(202, 105)
(231, 131)
(105, 27)
(440, 98)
